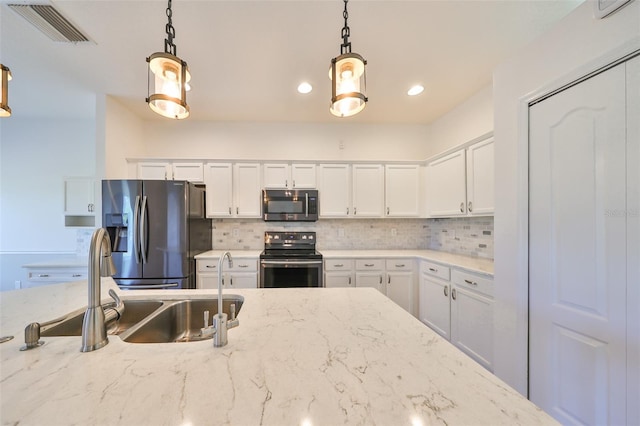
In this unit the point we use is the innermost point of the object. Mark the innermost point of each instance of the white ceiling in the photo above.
(247, 57)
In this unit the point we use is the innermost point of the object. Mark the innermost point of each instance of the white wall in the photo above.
(284, 141)
(123, 139)
(574, 47)
(467, 121)
(35, 156)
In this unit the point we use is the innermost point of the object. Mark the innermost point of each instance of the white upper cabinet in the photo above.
(289, 176)
(79, 196)
(480, 182)
(446, 183)
(233, 190)
(368, 190)
(192, 171)
(402, 190)
(462, 183)
(334, 189)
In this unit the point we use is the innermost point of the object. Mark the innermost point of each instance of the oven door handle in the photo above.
(291, 262)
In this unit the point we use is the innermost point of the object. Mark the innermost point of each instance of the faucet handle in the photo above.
(32, 337)
(206, 319)
(232, 310)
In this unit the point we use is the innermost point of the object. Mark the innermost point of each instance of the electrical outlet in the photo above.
(236, 232)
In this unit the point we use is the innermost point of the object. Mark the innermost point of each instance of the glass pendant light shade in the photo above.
(5, 111)
(348, 84)
(168, 78)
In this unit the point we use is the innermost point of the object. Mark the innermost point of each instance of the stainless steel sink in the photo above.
(71, 324)
(179, 321)
(152, 321)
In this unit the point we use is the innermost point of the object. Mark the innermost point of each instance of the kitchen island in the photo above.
(299, 357)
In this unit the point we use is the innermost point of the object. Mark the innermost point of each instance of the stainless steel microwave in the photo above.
(282, 205)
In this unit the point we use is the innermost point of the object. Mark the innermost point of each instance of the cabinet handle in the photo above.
(43, 275)
(433, 269)
(469, 206)
(387, 211)
(210, 266)
(400, 266)
(76, 275)
(243, 266)
(368, 265)
(338, 265)
(446, 291)
(461, 207)
(229, 211)
(237, 210)
(231, 281)
(380, 279)
(165, 175)
(349, 280)
(347, 211)
(354, 211)
(453, 294)
(286, 183)
(294, 183)
(389, 279)
(470, 282)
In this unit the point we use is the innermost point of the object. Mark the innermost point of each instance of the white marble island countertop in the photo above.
(299, 356)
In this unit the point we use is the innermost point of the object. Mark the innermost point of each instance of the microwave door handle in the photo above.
(306, 199)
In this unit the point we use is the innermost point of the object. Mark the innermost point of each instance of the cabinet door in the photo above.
(154, 171)
(243, 280)
(338, 279)
(303, 176)
(400, 289)
(247, 191)
(402, 186)
(206, 281)
(371, 279)
(446, 186)
(219, 186)
(276, 176)
(79, 196)
(192, 172)
(368, 190)
(472, 325)
(434, 305)
(334, 186)
(480, 183)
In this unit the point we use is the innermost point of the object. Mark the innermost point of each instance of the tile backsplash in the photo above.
(472, 236)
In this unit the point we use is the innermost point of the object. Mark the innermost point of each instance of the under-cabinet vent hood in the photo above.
(49, 21)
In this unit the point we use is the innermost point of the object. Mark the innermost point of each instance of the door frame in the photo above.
(608, 60)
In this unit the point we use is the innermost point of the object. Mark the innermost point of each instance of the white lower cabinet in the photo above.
(38, 276)
(371, 273)
(459, 306)
(243, 273)
(338, 273)
(400, 283)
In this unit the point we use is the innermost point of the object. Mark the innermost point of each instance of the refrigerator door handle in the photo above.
(143, 229)
(136, 231)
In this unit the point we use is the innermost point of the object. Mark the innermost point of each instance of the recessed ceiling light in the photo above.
(415, 90)
(305, 87)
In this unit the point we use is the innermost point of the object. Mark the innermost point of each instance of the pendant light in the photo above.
(5, 111)
(168, 78)
(348, 77)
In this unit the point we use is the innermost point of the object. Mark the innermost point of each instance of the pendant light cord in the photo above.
(169, 46)
(345, 47)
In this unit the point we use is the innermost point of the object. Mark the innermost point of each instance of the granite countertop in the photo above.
(473, 264)
(299, 356)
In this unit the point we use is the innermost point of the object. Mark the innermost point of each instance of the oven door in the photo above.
(286, 273)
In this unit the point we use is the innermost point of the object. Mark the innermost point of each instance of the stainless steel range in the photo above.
(290, 259)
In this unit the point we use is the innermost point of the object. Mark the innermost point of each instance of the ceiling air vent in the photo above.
(48, 20)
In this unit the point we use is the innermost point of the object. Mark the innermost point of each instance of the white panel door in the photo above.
(368, 190)
(154, 171)
(402, 186)
(633, 241)
(371, 279)
(219, 187)
(577, 252)
(192, 172)
(334, 186)
(472, 325)
(480, 182)
(276, 176)
(447, 186)
(303, 175)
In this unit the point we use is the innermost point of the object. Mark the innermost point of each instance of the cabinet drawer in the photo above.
(207, 265)
(435, 270)
(243, 265)
(401, 264)
(57, 276)
(338, 264)
(369, 264)
(479, 283)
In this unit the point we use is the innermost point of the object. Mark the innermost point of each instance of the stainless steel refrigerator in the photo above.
(156, 228)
